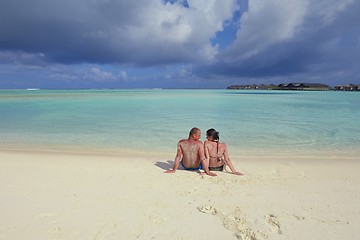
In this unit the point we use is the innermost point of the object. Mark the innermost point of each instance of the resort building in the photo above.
(349, 87)
(287, 86)
(304, 86)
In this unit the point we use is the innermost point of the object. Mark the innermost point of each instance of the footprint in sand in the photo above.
(239, 224)
(208, 209)
(235, 223)
(240, 217)
(299, 218)
(272, 220)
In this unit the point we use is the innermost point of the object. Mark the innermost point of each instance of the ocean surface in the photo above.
(153, 120)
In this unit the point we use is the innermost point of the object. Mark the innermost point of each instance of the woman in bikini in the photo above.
(216, 153)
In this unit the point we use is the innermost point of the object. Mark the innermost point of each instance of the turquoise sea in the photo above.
(153, 120)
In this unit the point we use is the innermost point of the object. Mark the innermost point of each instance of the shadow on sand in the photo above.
(169, 165)
(165, 165)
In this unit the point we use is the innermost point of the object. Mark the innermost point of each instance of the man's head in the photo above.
(195, 133)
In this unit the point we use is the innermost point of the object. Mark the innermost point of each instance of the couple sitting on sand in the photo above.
(193, 155)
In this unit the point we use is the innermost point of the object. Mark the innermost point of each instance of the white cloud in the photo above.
(82, 73)
(270, 23)
(328, 10)
(142, 32)
(172, 31)
(185, 71)
(308, 39)
(123, 76)
(266, 22)
(99, 75)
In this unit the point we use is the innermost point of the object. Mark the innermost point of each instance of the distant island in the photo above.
(298, 87)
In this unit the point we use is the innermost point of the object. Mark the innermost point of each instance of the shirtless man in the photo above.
(190, 153)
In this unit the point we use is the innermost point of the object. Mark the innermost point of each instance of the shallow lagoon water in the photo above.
(250, 122)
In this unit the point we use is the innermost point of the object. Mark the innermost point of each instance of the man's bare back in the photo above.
(191, 152)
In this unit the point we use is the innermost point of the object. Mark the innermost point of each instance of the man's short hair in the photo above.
(193, 131)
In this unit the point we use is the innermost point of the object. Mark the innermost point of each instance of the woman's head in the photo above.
(212, 134)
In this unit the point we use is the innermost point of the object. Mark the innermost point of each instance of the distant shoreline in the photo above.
(297, 87)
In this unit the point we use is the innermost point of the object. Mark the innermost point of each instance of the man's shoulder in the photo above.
(183, 140)
(191, 142)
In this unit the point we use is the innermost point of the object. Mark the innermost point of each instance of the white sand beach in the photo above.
(49, 195)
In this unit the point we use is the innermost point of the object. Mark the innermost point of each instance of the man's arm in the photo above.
(178, 157)
(204, 161)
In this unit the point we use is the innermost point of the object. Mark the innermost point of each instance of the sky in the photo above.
(178, 43)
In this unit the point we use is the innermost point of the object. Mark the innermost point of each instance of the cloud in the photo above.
(267, 22)
(292, 39)
(84, 72)
(99, 75)
(172, 43)
(22, 60)
(123, 76)
(146, 32)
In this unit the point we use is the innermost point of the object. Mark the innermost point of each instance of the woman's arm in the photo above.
(205, 161)
(229, 163)
(206, 149)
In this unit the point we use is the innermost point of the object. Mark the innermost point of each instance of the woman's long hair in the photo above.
(215, 135)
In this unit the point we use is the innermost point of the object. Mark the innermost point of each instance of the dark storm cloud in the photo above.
(136, 32)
